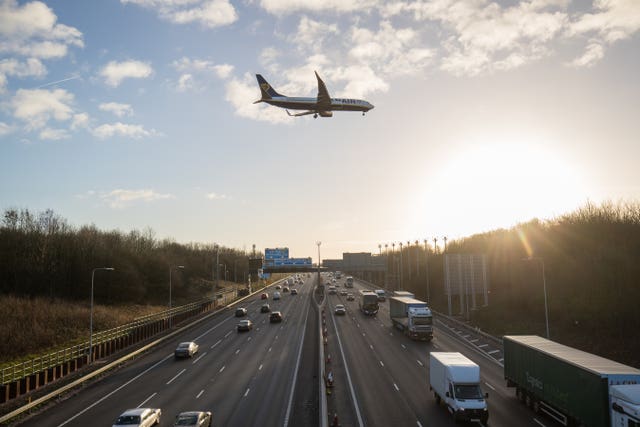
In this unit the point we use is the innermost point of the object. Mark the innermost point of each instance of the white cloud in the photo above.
(216, 196)
(185, 82)
(203, 68)
(121, 198)
(312, 34)
(285, 7)
(592, 54)
(32, 67)
(37, 106)
(115, 72)
(208, 13)
(122, 129)
(32, 30)
(242, 93)
(80, 121)
(53, 134)
(223, 71)
(5, 129)
(116, 108)
(613, 20)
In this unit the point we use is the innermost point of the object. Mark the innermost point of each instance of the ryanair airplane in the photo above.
(322, 106)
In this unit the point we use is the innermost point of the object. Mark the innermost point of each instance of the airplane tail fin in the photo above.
(265, 88)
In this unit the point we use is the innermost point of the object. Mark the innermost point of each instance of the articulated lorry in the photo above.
(455, 380)
(411, 316)
(571, 386)
(368, 303)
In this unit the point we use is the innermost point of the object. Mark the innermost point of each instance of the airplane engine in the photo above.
(325, 113)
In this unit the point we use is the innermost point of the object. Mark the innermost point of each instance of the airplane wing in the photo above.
(324, 100)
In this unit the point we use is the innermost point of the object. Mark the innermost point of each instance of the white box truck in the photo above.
(455, 380)
(412, 317)
(368, 302)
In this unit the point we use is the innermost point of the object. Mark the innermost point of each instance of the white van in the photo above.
(455, 380)
(276, 295)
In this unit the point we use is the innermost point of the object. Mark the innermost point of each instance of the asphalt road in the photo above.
(244, 378)
(390, 372)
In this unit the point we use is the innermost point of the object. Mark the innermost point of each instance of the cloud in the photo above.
(5, 129)
(592, 54)
(53, 134)
(215, 196)
(285, 7)
(36, 107)
(115, 72)
(612, 20)
(242, 93)
(312, 34)
(32, 67)
(116, 108)
(122, 129)
(208, 13)
(80, 121)
(195, 70)
(121, 198)
(32, 30)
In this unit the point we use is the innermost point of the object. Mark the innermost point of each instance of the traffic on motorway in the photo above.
(387, 361)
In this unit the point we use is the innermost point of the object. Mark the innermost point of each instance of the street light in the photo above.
(93, 272)
(181, 267)
(318, 243)
(401, 288)
(544, 287)
(426, 268)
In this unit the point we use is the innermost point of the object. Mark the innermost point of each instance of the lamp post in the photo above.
(426, 267)
(93, 272)
(180, 267)
(319, 243)
(401, 288)
(544, 287)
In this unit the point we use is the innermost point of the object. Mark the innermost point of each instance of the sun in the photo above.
(491, 185)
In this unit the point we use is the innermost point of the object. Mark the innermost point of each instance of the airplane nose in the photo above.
(371, 107)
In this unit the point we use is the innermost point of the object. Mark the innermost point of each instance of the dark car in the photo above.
(194, 419)
(275, 317)
(245, 325)
(340, 309)
(265, 308)
(241, 312)
(294, 292)
(185, 349)
(264, 295)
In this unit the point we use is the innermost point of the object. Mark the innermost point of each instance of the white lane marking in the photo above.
(539, 422)
(228, 333)
(295, 373)
(260, 367)
(475, 340)
(381, 363)
(276, 338)
(501, 360)
(490, 386)
(146, 400)
(218, 342)
(436, 346)
(467, 336)
(221, 369)
(364, 335)
(493, 351)
(371, 346)
(114, 391)
(199, 357)
(246, 393)
(237, 351)
(420, 363)
(270, 349)
(418, 423)
(358, 324)
(199, 394)
(404, 346)
(179, 373)
(483, 345)
(391, 333)
(248, 339)
(396, 386)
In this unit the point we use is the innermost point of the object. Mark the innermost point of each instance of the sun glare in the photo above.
(497, 185)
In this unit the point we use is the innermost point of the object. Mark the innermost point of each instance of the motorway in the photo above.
(245, 378)
(269, 376)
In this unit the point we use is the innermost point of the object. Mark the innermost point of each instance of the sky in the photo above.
(137, 114)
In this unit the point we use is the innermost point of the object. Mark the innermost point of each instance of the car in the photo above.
(185, 349)
(276, 295)
(294, 292)
(245, 325)
(275, 317)
(340, 309)
(265, 308)
(241, 312)
(332, 290)
(344, 293)
(194, 419)
(139, 417)
(285, 289)
(278, 287)
(264, 295)
(351, 297)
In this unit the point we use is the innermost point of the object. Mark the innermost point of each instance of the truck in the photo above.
(571, 386)
(412, 317)
(349, 282)
(368, 303)
(455, 380)
(403, 294)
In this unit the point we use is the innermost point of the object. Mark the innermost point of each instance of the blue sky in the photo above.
(139, 113)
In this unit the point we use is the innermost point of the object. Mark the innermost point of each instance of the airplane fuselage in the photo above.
(337, 104)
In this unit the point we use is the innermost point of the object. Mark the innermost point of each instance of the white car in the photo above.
(139, 417)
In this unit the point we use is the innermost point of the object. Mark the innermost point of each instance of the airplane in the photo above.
(322, 106)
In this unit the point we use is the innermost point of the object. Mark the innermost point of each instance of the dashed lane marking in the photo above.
(147, 399)
(218, 342)
(420, 363)
(172, 379)
(199, 394)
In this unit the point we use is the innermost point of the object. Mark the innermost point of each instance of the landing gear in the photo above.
(363, 113)
(315, 116)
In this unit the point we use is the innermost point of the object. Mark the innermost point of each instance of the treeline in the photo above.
(43, 255)
(591, 261)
